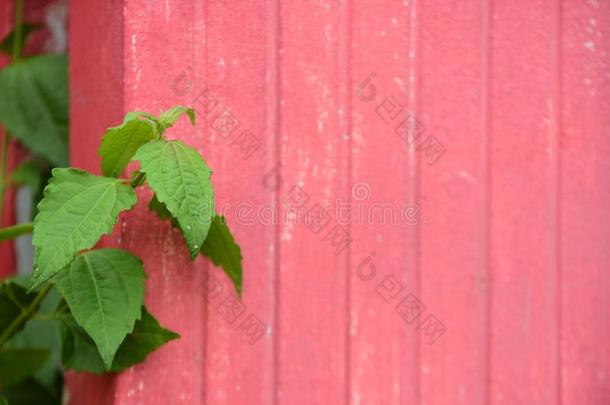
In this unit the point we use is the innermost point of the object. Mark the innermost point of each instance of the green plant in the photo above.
(96, 296)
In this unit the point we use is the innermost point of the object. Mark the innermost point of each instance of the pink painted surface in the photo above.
(501, 242)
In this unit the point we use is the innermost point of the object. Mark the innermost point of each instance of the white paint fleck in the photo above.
(394, 21)
(590, 45)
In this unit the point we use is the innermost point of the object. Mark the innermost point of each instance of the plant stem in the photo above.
(11, 232)
(138, 181)
(17, 38)
(3, 170)
(25, 315)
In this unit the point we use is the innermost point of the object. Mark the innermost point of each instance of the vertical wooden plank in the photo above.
(454, 201)
(585, 198)
(96, 102)
(239, 350)
(311, 303)
(175, 373)
(383, 352)
(523, 216)
(131, 79)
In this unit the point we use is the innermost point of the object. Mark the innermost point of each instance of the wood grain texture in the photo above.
(584, 196)
(454, 252)
(480, 125)
(523, 206)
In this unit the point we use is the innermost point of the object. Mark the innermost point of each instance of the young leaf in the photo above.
(13, 300)
(120, 143)
(132, 115)
(77, 209)
(168, 118)
(34, 105)
(221, 248)
(19, 364)
(6, 46)
(104, 289)
(79, 352)
(181, 180)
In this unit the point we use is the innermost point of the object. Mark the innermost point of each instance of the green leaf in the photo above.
(77, 209)
(42, 334)
(132, 115)
(27, 174)
(13, 301)
(3, 401)
(168, 118)
(104, 289)
(181, 180)
(160, 209)
(34, 105)
(30, 392)
(221, 248)
(147, 336)
(6, 46)
(121, 143)
(80, 353)
(19, 364)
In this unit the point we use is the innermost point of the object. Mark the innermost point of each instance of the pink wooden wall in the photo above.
(508, 248)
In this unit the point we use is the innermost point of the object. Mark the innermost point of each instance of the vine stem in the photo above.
(3, 169)
(11, 232)
(18, 30)
(139, 180)
(17, 36)
(25, 315)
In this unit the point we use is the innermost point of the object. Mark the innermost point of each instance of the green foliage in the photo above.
(221, 248)
(161, 210)
(168, 118)
(80, 353)
(6, 46)
(43, 334)
(30, 392)
(105, 290)
(99, 321)
(120, 143)
(41, 84)
(18, 364)
(13, 301)
(180, 179)
(77, 209)
(27, 174)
